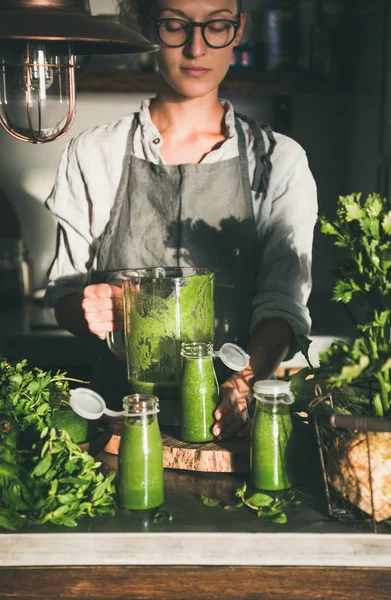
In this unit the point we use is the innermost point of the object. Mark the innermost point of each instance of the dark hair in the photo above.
(130, 10)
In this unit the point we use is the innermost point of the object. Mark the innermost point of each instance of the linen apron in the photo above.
(191, 215)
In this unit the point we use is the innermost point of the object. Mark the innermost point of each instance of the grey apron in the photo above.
(197, 215)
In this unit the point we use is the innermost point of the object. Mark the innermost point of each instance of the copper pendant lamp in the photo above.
(38, 42)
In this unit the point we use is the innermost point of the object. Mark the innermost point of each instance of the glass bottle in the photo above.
(140, 459)
(281, 36)
(271, 436)
(199, 393)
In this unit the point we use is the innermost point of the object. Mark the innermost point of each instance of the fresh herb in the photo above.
(364, 230)
(44, 476)
(263, 504)
(210, 501)
(32, 397)
(160, 515)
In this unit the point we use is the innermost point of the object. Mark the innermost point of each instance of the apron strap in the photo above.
(244, 166)
(103, 245)
(263, 163)
(132, 133)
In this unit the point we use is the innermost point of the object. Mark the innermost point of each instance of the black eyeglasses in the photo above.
(218, 33)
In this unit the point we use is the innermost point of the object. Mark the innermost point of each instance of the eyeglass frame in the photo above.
(191, 25)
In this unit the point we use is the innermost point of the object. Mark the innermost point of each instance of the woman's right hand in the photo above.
(103, 308)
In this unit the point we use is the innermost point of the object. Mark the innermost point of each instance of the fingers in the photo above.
(227, 401)
(236, 426)
(234, 422)
(95, 304)
(103, 290)
(246, 429)
(101, 328)
(231, 414)
(110, 319)
(102, 305)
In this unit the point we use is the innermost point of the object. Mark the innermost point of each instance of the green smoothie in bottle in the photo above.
(271, 436)
(140, 460)
(199, 393)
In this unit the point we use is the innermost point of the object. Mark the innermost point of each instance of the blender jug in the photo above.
(163, 307)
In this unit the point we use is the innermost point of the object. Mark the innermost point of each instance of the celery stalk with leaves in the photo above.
(363, 228)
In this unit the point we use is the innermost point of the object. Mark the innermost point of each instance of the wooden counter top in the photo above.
(202, 554)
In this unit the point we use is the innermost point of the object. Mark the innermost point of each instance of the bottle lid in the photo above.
(233, 356)
(274, 387)
(90, 405)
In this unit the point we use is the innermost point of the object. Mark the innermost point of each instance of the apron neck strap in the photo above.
(132, 133)
(263, 163)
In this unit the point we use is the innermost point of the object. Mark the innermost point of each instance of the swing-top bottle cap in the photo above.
(274, 387)
(90, 405)
(233, 356)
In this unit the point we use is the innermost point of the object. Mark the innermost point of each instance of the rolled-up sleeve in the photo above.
(70, 204)
(284, 281)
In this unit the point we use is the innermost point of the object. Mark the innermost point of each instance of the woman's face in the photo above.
(194, 70)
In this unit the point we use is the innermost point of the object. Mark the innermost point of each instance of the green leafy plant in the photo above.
(263, 505)
(32, 396)
(364, 230)
(44, 475)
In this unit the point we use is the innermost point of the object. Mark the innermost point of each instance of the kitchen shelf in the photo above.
(254, 83)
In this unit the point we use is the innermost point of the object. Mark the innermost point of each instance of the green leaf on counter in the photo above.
(279, 517)
(210, 501)
(263, 505)
(233, 506)
(259, 500)
(241, 491)
(160, 515)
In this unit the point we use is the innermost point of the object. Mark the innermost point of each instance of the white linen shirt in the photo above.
(86, 186)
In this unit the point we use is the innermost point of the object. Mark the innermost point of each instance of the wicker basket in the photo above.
(356, 463)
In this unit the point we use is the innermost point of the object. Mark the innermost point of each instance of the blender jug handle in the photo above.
(116, 344)
(115, 339)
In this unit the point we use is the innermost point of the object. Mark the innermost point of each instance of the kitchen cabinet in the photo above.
(30, 332)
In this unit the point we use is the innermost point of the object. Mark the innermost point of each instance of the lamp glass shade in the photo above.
(37, 90)
(38, 42)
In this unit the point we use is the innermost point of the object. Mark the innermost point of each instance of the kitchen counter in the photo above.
(203, 553)
(199, 535)
(199, 551)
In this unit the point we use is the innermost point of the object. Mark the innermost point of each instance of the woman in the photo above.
(241, 198)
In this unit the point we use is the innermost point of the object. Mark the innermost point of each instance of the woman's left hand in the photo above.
(232, 413)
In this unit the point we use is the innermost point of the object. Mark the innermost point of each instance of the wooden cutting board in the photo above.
(232, 456)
